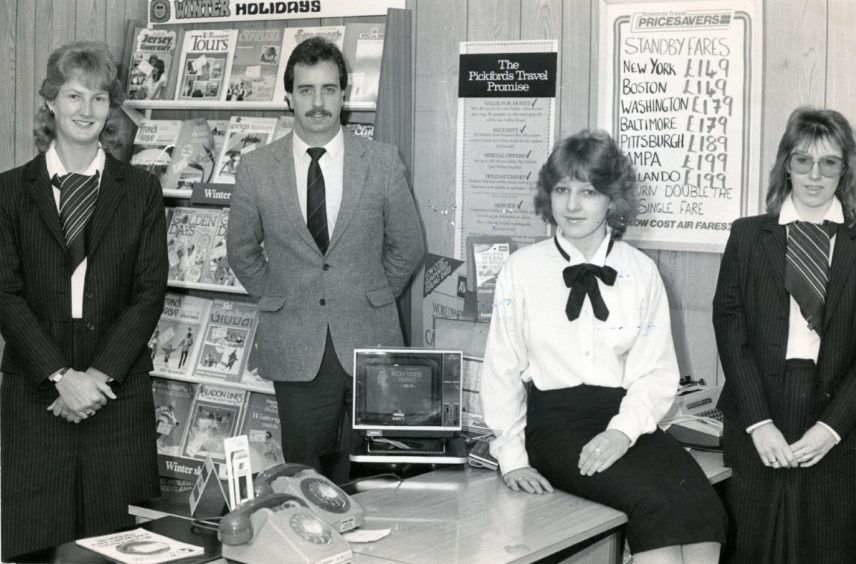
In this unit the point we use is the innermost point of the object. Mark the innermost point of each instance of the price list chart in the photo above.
(680, 90)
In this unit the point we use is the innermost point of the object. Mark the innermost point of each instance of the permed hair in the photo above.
(90, 63)
(591, 156)
(310, 52)
(806, 126)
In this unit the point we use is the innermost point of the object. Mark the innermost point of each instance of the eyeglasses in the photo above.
(830, 166)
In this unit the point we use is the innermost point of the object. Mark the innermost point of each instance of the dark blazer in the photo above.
(750, 318)
(125, 279)
(375, 247)
(62, 481)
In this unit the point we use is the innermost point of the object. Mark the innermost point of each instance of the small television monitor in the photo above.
(407, 392)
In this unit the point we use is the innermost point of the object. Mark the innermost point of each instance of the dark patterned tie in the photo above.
(78, 194)
(316, 206)
(807, 269)
(582, 281)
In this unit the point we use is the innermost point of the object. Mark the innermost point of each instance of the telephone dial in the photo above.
(323, 496)
(297, 516)
(280, 528)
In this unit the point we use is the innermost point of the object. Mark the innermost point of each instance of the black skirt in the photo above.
(791, 515)
(668, 499)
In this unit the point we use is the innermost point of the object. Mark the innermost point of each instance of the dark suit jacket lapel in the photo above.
(42, 194)
(843, 259)
(774, 241)
(111, 192)
(354, 172)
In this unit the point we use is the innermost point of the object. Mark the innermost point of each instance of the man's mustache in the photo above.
(318, 113)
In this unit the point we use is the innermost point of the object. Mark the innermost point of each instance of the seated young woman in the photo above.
(580, 364)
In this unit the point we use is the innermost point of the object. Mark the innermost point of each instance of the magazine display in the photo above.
(243, 135)
(218, 129)
(218, 270)
(193, 157)
(284, 125)
(215, 416)
(175, 342)
(230, 330)
(206, 60)
(361, 129)
(255, 65)
(154, 145)
(140, 547)
(486, 255)
(363, 51)
(152, 68)
(294, 35)
(189, 238)
(251, 376)
(262, 428)
(173, 400)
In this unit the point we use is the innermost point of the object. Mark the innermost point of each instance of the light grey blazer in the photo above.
(375, 247)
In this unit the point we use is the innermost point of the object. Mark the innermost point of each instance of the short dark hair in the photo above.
(310, 52)
(90, 63)
(591, 156)
(809, 125)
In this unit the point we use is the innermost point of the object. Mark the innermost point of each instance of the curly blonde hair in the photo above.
(90, 63)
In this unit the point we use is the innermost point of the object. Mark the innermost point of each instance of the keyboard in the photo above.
(711, 414)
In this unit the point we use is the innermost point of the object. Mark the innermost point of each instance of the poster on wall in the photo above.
(506, 117)
(680, 90)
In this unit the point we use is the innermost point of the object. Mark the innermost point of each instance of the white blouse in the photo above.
(531, 339)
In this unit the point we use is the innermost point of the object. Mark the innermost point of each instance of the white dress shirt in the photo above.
(802, 341)
(531, 339)
(332, 164)
(55, 166)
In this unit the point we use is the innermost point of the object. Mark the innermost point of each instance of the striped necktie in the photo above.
(807, 268)
(78, 194)
(316, 201)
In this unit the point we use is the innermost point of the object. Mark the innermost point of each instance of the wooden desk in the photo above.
(468, 515)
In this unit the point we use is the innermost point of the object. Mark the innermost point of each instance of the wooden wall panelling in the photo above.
(22, 58)
(577, 57)
(439, 26)
(493, 19)
(841, 64)
(90, 18)
(794, 69)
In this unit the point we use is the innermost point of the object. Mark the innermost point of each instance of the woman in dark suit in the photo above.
(785, 319)
(83, 269)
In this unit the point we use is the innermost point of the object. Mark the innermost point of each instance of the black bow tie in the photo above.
(582, 281)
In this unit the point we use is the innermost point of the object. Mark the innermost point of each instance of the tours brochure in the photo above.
(140, 546)
(228, 334)
(154, 145)
(206, 61)
(176, 339)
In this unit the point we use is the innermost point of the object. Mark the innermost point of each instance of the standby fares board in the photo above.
(680, 90)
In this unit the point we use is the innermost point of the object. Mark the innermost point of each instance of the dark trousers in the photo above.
(315, 418)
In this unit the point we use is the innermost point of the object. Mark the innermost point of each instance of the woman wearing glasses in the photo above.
(785, 319)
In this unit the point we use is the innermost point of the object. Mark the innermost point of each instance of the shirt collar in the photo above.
(335, 147)
(55, 166)
(789, 213)
(599, 257)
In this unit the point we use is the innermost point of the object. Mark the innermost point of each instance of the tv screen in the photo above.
(407, 390)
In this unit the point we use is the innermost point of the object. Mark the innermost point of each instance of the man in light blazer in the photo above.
(326, 280)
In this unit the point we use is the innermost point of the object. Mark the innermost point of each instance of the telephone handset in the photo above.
(276, 528)
(322, 496)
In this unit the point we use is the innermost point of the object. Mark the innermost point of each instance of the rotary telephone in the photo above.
(296, 516)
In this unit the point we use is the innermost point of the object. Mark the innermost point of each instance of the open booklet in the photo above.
(140, 546)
